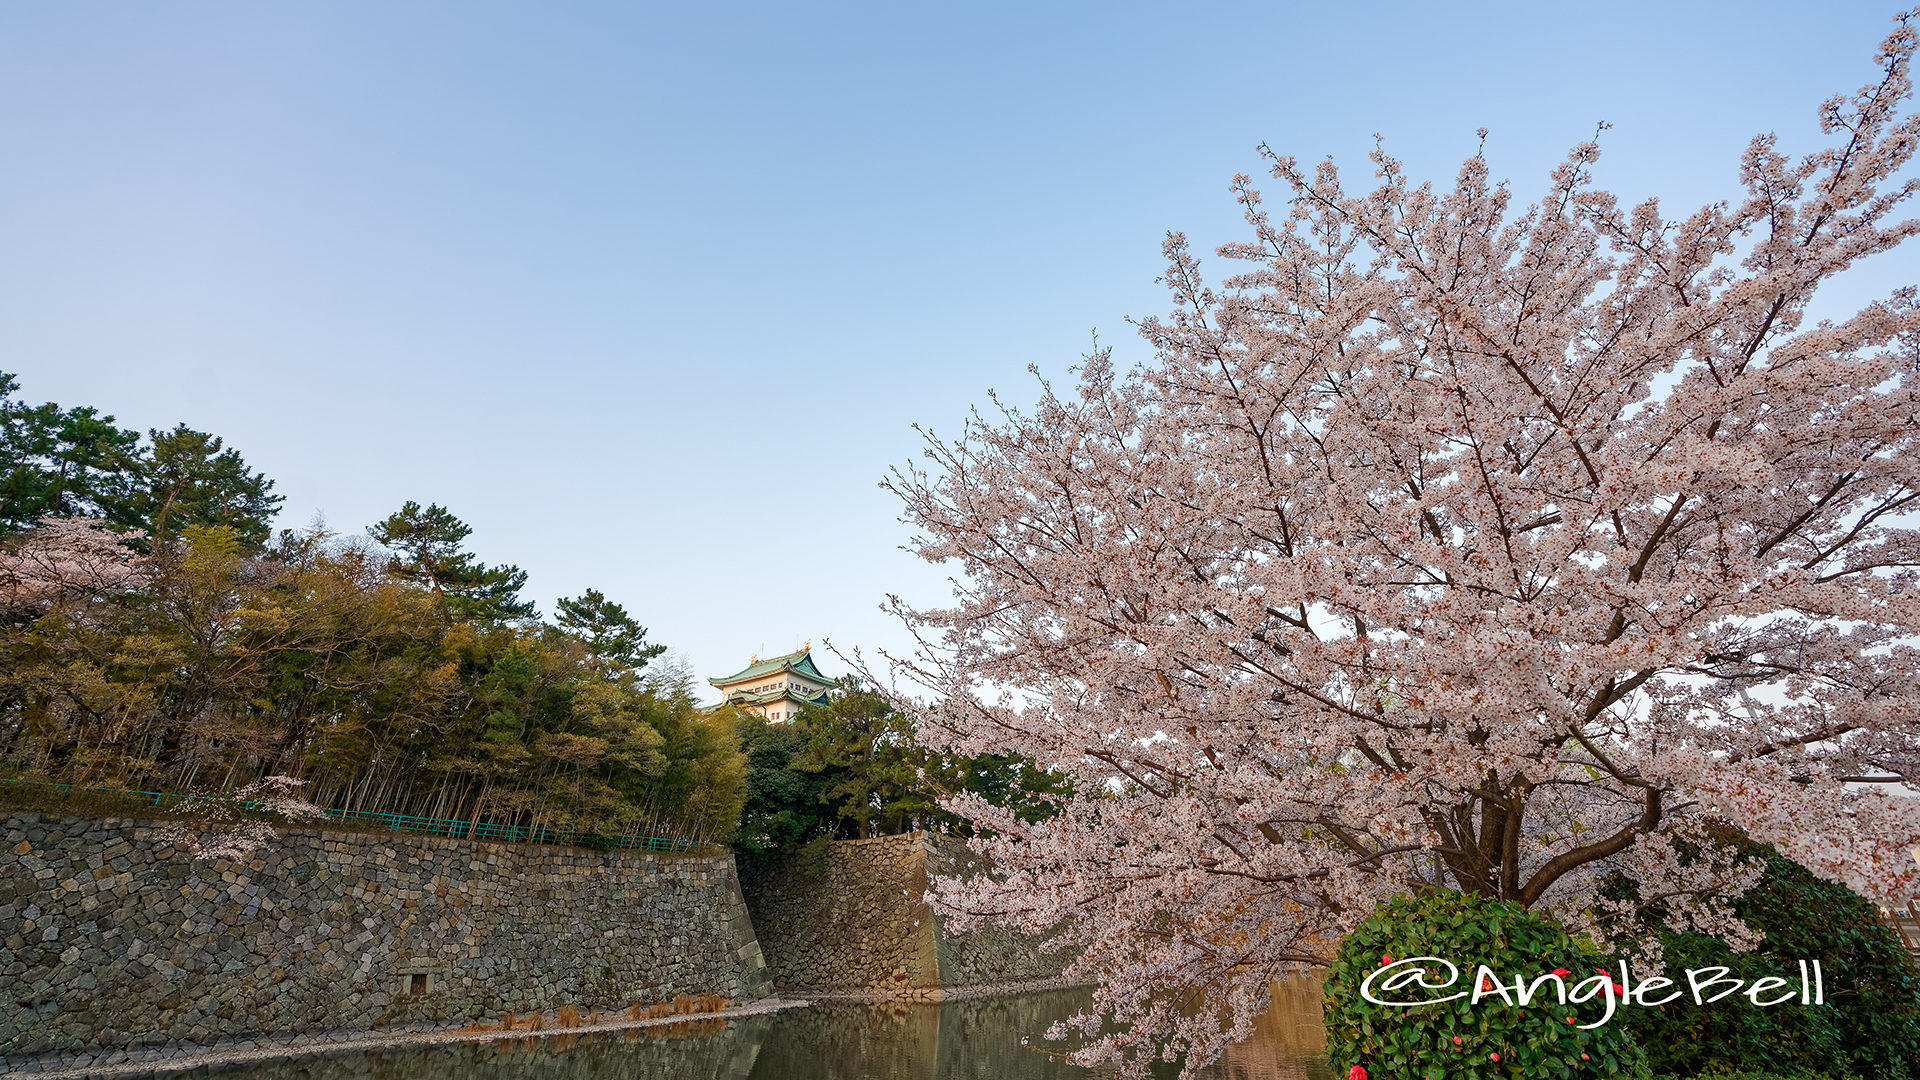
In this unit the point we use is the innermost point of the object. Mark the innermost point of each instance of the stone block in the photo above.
(856, 923)
(281, 944)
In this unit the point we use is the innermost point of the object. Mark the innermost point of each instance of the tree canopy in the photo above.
(854, 766)
(199, 653)
(428, 546)
(62, 462)
(1449, 545)
(186, 478)
(77, 462)
(608, 632)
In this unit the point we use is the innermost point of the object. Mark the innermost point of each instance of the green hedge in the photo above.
(1458, 1040)
(1869, 1026)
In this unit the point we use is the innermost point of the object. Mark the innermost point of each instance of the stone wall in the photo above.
(851, 919)
(989, 956)
(111, 941)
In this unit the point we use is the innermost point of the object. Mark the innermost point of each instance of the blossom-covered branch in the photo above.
(1449, 546)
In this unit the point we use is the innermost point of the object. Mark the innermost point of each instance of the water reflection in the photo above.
(976, 1039)
(1289, 1041)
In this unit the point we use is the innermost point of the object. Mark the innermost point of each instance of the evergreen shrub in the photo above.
(1869, 1026)
(1459, 1040)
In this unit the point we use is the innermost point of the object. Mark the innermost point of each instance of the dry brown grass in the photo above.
(536, 1021)
(566, 1016)
(681, 1005)
(506, 1021)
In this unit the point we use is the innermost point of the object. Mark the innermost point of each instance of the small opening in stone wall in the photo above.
(416, 984)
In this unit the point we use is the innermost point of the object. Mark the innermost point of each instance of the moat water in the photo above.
(973, 1039)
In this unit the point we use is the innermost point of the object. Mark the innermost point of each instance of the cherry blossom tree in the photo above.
(237, 824)
(1448, 545)
(68, 558)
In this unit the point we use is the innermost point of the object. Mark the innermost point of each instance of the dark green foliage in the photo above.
(854, 766)
(1015, 782)
(428, 541)
(610, 634)
(58, 462)
(784, 809)
(1870, 1025)
(880, 778)
(860, 748)
(187, 479)
(75, 462)
(1468, 930)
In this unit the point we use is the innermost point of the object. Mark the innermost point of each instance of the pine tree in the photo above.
(611, 636)
(429, 545)
(188, 479)
(58, 462)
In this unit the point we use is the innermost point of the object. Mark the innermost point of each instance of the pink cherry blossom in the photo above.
(69, 558)
(1445, 543)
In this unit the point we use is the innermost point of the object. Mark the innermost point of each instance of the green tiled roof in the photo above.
(767, 697)
(800, 663)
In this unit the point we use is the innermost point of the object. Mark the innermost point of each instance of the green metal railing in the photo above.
(413, 823)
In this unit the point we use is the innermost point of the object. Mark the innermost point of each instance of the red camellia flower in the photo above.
(1358, 1072)
(1562, 972)
(1385, 960)
(1456, 1040)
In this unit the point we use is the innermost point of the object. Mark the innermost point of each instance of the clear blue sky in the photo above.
(651, 295)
